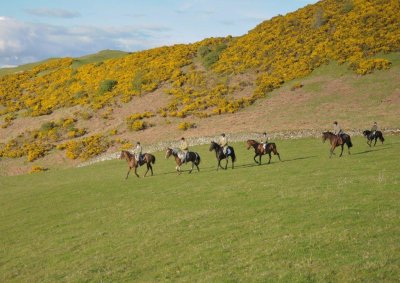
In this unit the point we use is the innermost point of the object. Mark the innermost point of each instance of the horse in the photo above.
(259, 150)
(371, 136)
(219, 153)
(132, 163)
(191, 156)
(336, 141)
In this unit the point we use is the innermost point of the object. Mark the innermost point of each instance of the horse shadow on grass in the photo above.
(370, 150)
(241, 166)
(299, 158)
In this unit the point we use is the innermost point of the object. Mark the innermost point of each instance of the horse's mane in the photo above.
(127, 153)
(328, 133)
(174, 150)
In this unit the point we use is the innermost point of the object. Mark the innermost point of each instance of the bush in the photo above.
(87, 147)
(139, 125)
(37, 169)
(186, 125)
(47, 126)
(107, 85)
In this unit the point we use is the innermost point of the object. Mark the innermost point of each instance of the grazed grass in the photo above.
(309, 218)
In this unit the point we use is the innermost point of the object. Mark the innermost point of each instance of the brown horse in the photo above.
(336, 141)
(132, 163)
(260, 150)
(193, 157)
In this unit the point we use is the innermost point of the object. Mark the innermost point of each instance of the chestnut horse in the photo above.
(191, 156)
(132, 163)
(336, 141)
(259, 150)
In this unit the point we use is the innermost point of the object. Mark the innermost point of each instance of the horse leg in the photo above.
(233, 163)
(192, 168)
(137, 175)
(127, 174)
(269, 154)
(375, 141)
(219, 164)
(341, 151)
(147, 170)
(332, 149)
(255, 158)
(226, 164)
(259, 162)
(177, 169)
(151, 168)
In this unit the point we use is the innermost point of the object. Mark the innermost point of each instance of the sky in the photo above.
(31, 31)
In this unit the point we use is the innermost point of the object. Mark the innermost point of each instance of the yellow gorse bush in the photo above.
(278, 50)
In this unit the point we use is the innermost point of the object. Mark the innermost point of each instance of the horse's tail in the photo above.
(198, 159)
(349, 143)
(233, 155)
(153, 160)
(381, 137)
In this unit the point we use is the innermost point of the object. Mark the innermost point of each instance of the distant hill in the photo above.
(81, 107)
(79, 61)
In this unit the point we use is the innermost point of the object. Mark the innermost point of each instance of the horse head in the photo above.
(168, 152)
(213, 146)
(249, 143)
(366, 133)
(123, 155)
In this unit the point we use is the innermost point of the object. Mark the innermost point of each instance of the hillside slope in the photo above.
(79, 108)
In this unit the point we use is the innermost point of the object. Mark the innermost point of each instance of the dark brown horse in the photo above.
(371, 136)
(219, 154)
(336, 141)
(193, 157)
(260, 150)
(147, 159)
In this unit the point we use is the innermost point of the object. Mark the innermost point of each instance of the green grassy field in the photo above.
(307, 219)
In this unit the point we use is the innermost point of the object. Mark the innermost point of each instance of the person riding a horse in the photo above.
(337, 130)
(138, 152)
(223, 142)
(264, 141)
(184, 147)
(374, 129)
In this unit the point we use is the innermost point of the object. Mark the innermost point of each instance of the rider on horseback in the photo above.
(223, 142)
(374, 129)
(184, 150)
(337, 130)
(264, 141)
(138, 152)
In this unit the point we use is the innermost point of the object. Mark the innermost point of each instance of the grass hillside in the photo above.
(272, 78)
(307, 219)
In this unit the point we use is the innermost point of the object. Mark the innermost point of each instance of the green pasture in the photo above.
(307, 219)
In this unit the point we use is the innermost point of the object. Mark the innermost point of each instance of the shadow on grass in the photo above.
(241, 166)
(300, 158)
(370, 150)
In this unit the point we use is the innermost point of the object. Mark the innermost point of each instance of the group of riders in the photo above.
(337, 130)
(223, 142)
(184, 147)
